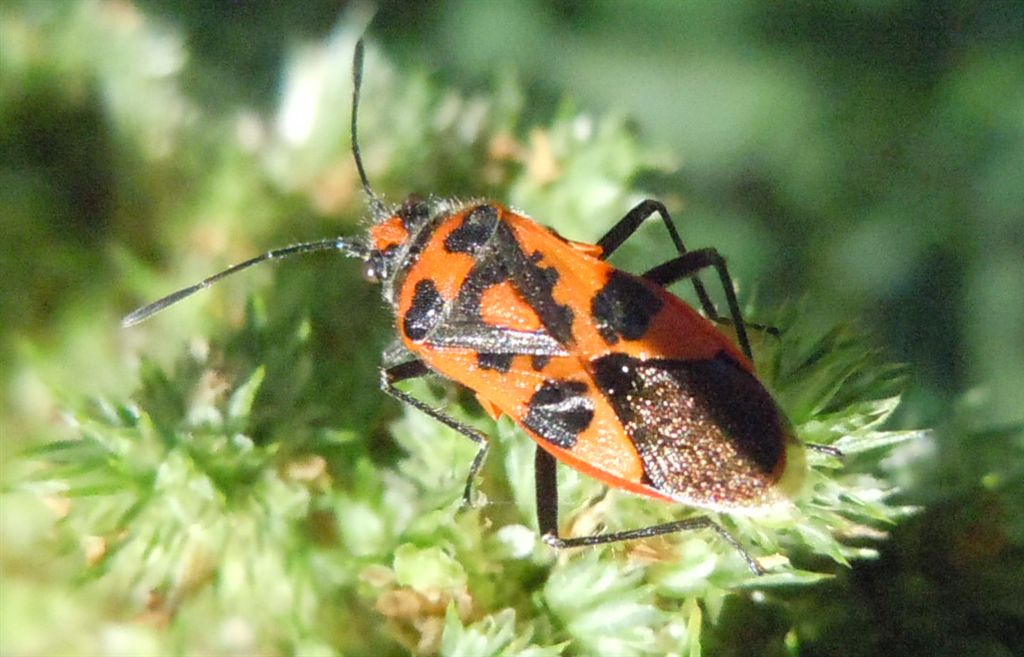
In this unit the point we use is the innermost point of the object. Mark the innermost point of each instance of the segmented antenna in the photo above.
(348, 247)
(376, 205)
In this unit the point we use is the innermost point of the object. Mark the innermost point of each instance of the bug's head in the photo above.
(398, 237)
(391, 237)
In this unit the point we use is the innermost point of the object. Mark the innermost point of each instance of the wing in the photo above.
(707, 431)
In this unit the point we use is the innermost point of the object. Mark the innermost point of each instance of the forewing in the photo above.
(706, 430)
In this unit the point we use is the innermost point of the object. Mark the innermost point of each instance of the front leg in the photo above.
(414, 369)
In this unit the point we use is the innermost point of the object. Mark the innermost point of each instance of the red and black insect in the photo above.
(607, 371)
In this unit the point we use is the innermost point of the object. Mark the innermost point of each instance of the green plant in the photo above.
(253, 492)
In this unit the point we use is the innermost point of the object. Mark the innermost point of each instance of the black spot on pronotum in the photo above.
(475, 230)
(560, 411)
(497, 362)
(624, 308)
(539, 362)
(425, 311)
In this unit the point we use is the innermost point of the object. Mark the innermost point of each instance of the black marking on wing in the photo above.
(498, 362)
(706, 430)
(487, 272)
(536, 284)
(538, 363)
(624, 308)
(560, 411)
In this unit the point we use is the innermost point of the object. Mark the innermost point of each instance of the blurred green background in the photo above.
(862, 159)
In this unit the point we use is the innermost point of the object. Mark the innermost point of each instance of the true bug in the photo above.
(607, 371)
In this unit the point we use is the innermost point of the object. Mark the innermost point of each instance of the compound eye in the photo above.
(374, 269)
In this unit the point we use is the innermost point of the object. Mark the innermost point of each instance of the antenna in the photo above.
(376, 205)
(347, 247)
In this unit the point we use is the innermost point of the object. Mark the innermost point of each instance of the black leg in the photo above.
(626, 226)
(547, 519)
(827, 450)
(414, 369)
(687, 265)
(545, 481)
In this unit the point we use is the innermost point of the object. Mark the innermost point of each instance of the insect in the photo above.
(607, 371)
